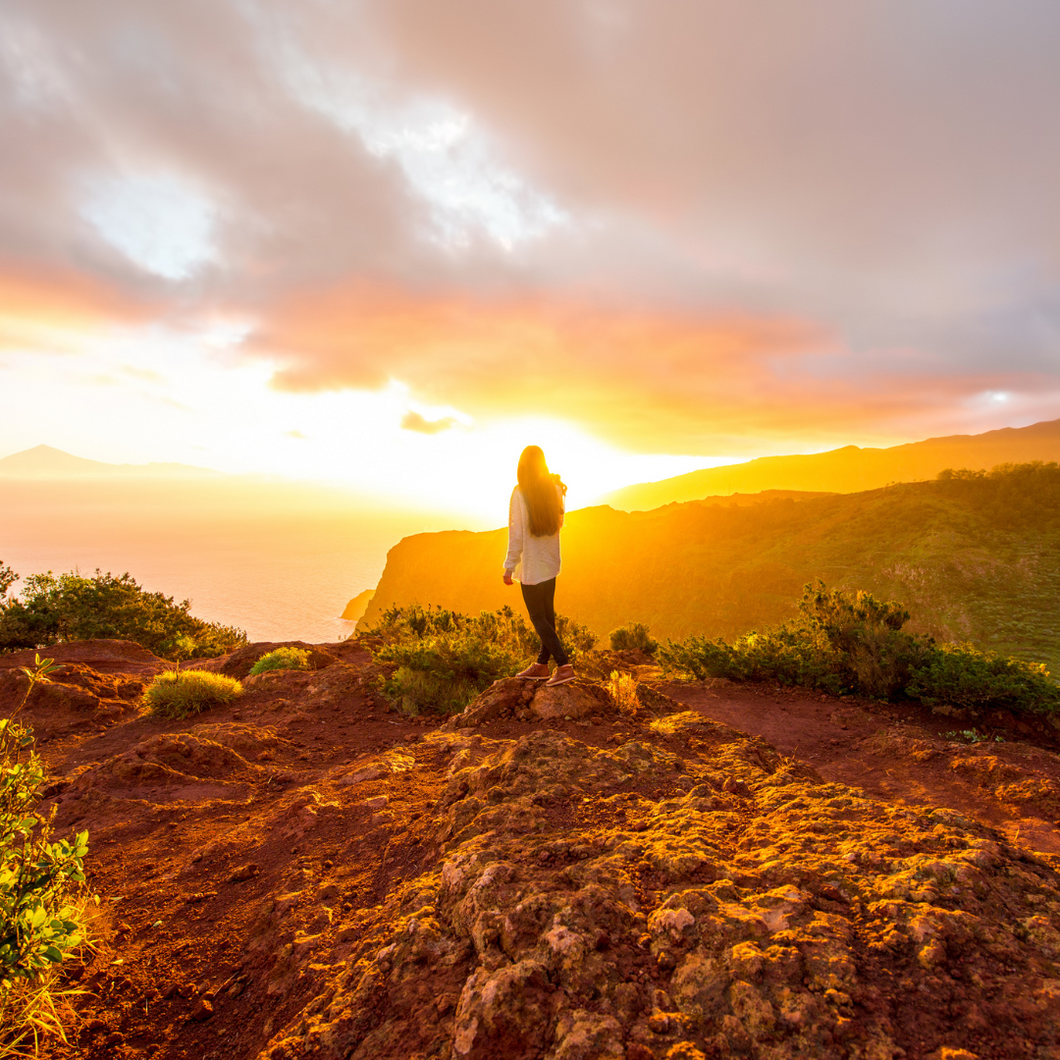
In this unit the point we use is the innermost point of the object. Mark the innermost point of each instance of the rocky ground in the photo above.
(706, 870)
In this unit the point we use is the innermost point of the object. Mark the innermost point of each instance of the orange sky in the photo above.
(390, 249)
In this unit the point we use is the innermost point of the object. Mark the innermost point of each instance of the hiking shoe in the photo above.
(536, 672)
(562, 675)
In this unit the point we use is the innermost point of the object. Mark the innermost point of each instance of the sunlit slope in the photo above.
(850, 469)
(974, 560)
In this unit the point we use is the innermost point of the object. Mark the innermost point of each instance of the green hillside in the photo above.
(974, 556)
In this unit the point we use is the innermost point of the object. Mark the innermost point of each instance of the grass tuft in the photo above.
(179, 694)
(623, 690)
(281, 659)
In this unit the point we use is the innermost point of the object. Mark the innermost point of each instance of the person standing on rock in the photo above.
(535, 516)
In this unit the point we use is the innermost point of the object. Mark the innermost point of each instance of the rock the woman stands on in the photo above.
(535, 516)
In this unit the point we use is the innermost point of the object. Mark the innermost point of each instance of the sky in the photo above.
(391, 242)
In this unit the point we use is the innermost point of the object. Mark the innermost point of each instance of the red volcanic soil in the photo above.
(1006, 773)
(722, 870)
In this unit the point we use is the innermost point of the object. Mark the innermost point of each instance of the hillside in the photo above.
(973, 559)
(850, 469)
(304, 874)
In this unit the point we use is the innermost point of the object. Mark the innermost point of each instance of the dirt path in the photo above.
(899, 755)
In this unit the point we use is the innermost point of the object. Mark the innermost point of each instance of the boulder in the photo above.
(576, 699)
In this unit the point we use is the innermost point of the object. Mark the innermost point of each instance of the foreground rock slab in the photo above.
(714, 902)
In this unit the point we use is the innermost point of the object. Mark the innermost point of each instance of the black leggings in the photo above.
(540, 603)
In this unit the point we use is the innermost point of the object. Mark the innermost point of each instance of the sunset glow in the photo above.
(358, 249)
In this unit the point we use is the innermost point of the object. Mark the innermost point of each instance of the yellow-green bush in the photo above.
(178, 694)
(282, 659)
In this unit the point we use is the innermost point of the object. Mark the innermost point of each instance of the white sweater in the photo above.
(538, 556)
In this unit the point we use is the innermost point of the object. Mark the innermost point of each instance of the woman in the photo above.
(535, 516)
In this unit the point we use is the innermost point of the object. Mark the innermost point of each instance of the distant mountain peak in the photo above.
(45, 461)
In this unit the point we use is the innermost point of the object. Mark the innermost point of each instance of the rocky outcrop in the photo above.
(513, 698)
(356, 608)
(690, 894)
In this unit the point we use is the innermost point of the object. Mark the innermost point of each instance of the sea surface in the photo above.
(277, 560)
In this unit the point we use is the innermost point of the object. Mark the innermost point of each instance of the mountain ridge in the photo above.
(849, 469)
(47, 462)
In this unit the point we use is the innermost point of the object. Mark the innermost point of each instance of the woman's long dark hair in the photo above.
(539, 492)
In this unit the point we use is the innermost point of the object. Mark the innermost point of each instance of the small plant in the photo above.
(972, 736)
(41, 907)
(623, 690)
(181, 693)
(281, 659)
(633, 637)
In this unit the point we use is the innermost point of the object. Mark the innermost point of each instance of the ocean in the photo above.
(278, 561)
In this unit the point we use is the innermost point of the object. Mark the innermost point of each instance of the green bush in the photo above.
(181, 693)
(282, 659)
(851, 642)
(53, 609)
(964, 676)
(442, 659)
(633, 637)
(577, 638)
(41, 901)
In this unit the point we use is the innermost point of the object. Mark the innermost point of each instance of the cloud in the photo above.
(679, 223)
(710, 383)
(413, 421)
(52, 309)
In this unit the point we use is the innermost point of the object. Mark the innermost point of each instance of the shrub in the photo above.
(41, 905)
(442, 659)
(851, 642)
(577, 638)
(964, 676)
(282, 659)
(53, 609)
(415, 691)
(633, 637)
(180, 693)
